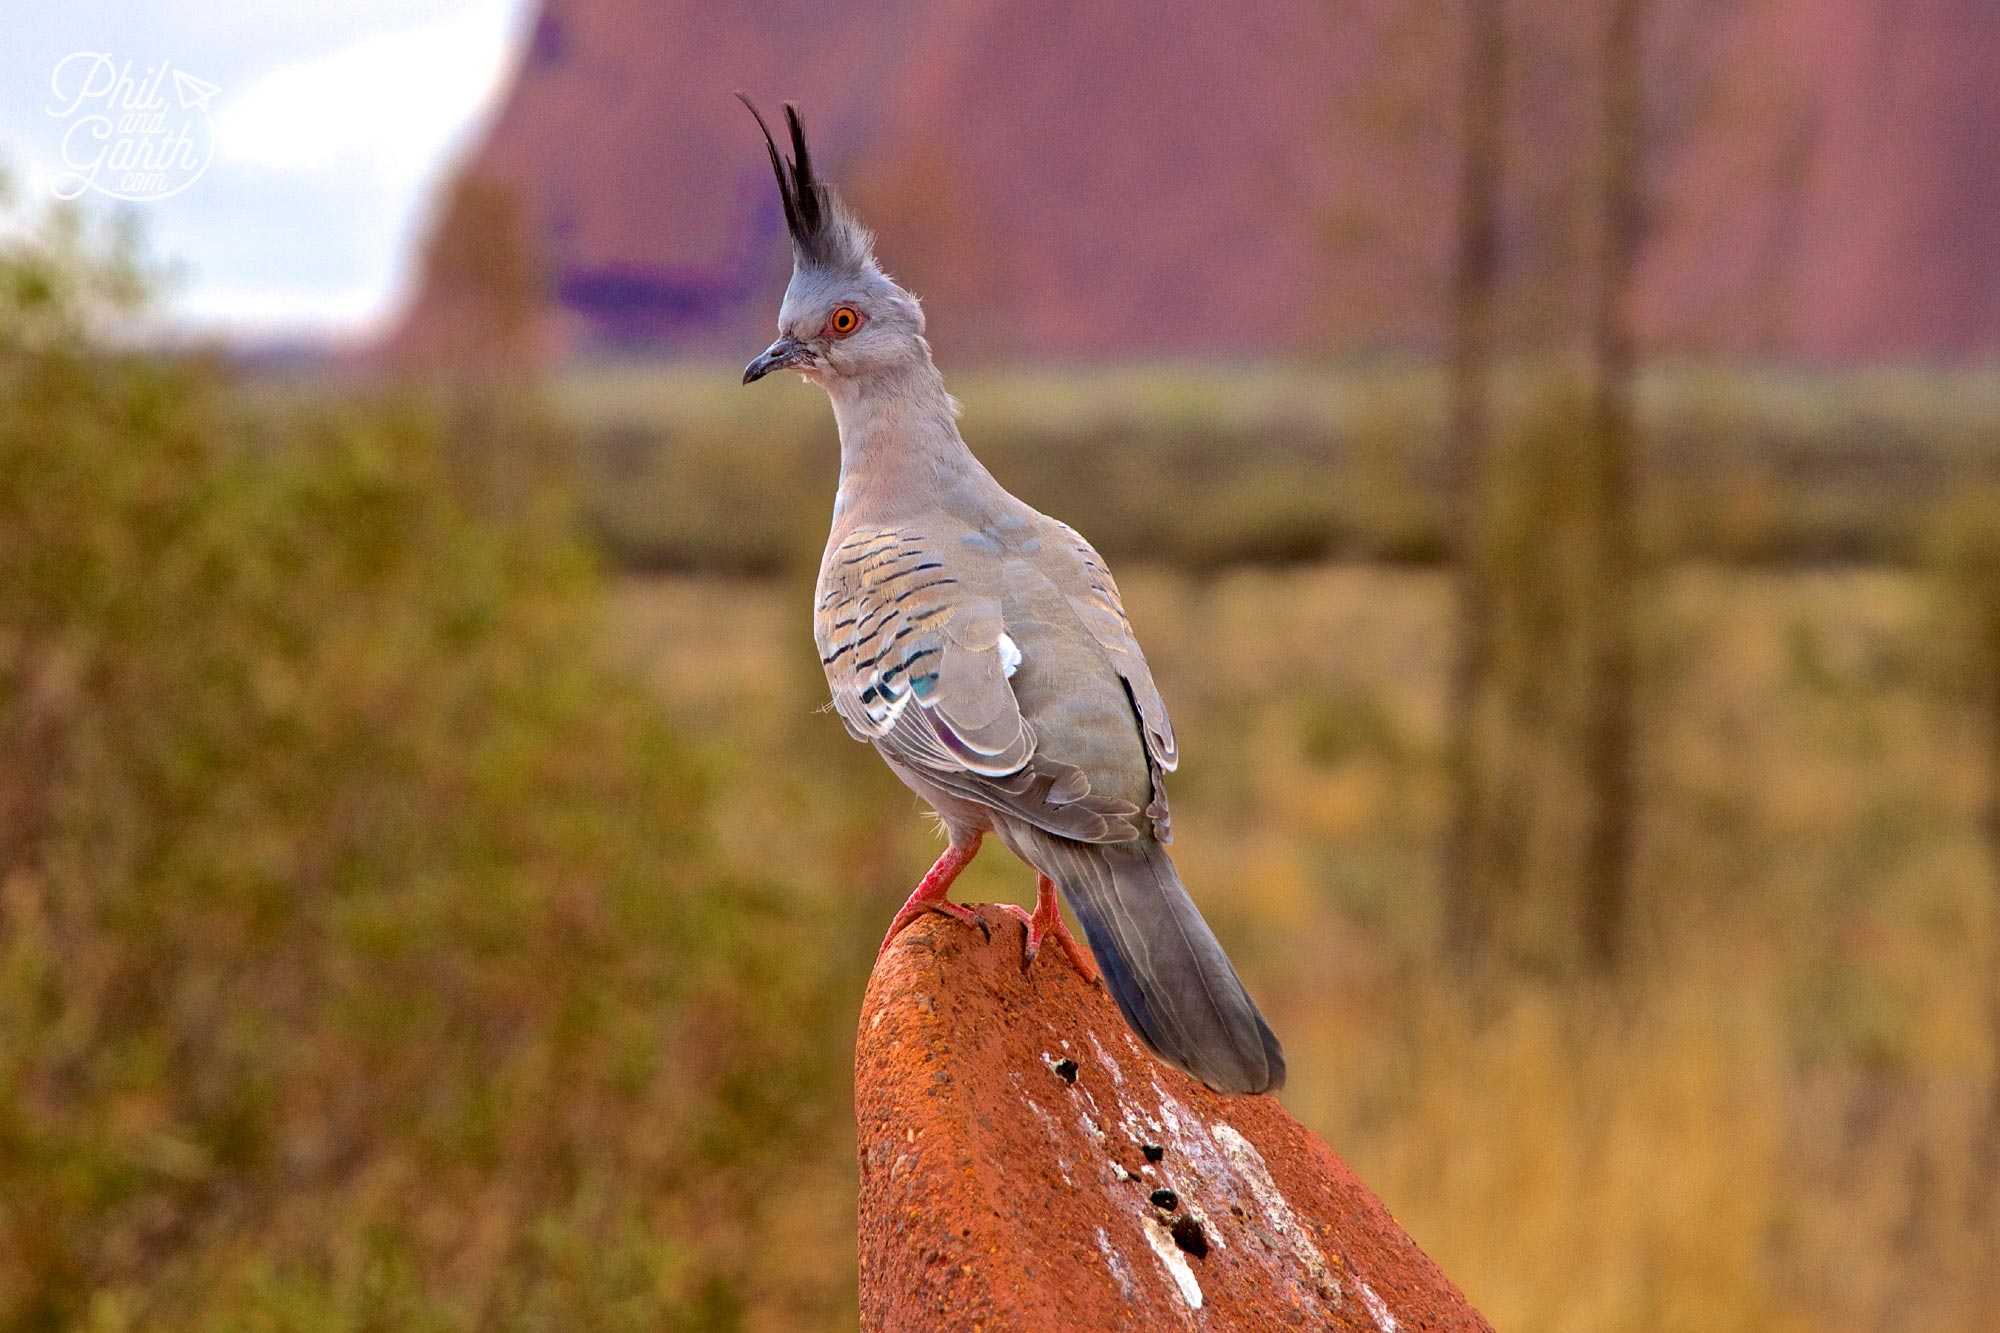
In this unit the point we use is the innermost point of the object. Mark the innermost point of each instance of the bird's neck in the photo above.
(899, 440)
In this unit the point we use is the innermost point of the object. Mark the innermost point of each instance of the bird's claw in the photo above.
(909, 915)
(1042, 925)
(969, 917)
(1033, 944)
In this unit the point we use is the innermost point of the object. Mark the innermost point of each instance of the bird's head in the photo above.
(843, 318)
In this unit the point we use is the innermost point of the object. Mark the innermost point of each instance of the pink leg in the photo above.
(1047, 921)
(931, 891)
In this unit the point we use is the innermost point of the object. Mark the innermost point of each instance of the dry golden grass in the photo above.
(373, 953)
(1779, 1126)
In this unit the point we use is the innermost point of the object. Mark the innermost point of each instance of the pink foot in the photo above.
(931, 890)
(1045, 922)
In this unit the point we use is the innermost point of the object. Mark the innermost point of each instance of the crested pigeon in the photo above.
(981, 647)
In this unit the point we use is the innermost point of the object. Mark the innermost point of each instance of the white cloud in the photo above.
(354, 311)
(331, 129)
(387, 106)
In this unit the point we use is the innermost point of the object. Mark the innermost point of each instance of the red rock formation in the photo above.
(1027, 1166)
(1875, 232)
(1064, 180)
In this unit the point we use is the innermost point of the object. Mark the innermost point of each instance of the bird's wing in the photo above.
(919, 662)
(1094, 594)
(1076, 567)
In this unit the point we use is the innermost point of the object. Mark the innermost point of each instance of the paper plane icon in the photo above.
(193, 92)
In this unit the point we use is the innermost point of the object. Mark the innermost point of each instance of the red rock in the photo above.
(1063, 181)
(1003, 1190)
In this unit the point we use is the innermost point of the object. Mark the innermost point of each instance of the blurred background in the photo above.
(1551, 454)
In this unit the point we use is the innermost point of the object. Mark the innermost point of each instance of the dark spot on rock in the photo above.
(1189, 1236)
(1165, 1199)
(1065, 1069)
(1236, 1208)
(1154, 1152)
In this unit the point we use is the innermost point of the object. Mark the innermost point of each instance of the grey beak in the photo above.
(779, 355)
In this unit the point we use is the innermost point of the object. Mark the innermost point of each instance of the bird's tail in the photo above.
(1162, 963)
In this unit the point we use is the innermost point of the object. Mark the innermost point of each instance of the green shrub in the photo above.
(360, 962)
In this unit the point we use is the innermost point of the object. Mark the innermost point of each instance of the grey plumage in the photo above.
(1171, 979)
(984, 651)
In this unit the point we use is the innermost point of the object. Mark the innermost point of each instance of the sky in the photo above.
(279, 157)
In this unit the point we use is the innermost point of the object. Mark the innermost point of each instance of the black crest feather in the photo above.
(823, 232)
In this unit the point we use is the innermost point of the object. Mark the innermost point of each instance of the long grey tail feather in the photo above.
(1163, 965)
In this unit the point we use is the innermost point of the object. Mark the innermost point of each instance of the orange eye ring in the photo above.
(844, 320)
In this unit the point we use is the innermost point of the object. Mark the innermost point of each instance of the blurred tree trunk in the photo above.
(502, 445)
(1469, 903)
(1545, 690)
(1609, 732)
(1991, 828)
(1973, 581)
(1966, 533)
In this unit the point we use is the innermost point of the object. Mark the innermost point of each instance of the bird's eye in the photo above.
(844, 320)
